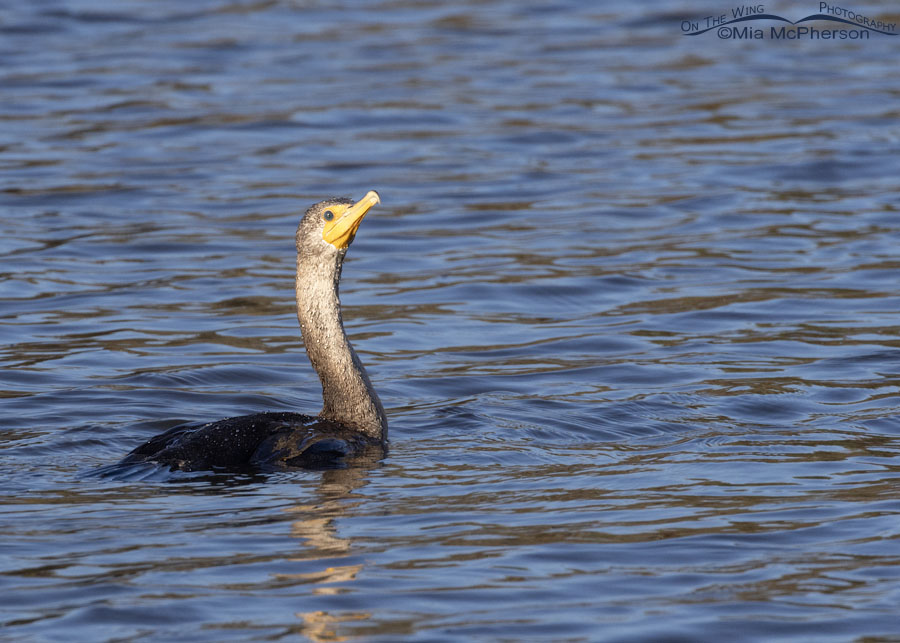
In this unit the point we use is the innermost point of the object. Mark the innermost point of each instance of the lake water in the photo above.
(632, 302)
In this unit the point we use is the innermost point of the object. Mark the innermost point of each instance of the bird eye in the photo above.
(328, 215)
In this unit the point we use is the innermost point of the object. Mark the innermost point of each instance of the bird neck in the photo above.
(347, 393)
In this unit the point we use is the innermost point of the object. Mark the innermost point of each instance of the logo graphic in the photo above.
(728, 28)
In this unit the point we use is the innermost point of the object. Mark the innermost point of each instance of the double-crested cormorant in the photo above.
(352, 419)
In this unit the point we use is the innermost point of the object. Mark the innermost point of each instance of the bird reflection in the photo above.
(315, 525)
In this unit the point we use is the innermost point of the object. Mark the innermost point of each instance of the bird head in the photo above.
(328, 227)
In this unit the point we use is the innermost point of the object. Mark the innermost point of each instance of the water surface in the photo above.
(631, 302)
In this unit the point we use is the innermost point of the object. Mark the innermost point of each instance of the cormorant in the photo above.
(352, 419)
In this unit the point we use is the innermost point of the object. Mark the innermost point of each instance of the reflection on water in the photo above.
(314, 524)
(631, 302)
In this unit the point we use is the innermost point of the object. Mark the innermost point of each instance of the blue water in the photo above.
(631, 302)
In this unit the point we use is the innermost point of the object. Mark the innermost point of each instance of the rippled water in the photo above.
(631, 302)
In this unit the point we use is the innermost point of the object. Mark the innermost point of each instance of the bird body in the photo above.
(261, 440)
(352, 420)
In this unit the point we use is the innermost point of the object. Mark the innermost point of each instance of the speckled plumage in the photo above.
(261, 440)
(352, 420)
(347, 393)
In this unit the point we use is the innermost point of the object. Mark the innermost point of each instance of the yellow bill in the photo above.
(340, 231)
